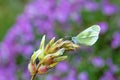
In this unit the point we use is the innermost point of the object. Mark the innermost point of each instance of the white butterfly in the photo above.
(87, 37)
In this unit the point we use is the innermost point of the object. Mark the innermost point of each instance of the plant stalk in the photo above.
(33, 76)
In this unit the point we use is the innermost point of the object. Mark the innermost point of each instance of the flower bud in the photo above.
(53, 65)
(32, 68)
(42, 69)
(56, 46)
(61, 58)
(48, 46)
(59, 52)
(48, 60)
(68, 45)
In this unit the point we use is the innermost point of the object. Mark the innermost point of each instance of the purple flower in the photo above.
(83, 76)
(116, 40)
(108, 75)
(26, 75)
(45, 27)
(118, 23)
(11, 35)
(8, 72)
(103, 26)
(109, 9)
(4, 54)
(26, 50)
(112, 67)
(52, 77)
(76, 17)
(62, 67)
(5, 74)
(91, 6)
(72, 75)
(37, 8)
(97, 62)
(49, 77)
(62, 11)
(25, 27)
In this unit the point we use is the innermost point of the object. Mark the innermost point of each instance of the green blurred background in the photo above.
(9, 9)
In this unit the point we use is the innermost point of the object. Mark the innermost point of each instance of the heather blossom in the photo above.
(116, 40)
(83, 76)
(91, 6)
(103, 26)
(108, 75)
(108, 8)
(62, 67)
(112, 67)
(71, 75)
(97, 62)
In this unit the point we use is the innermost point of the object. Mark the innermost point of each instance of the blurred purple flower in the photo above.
(83, 76)
(112, 67)
(21, 33)
(52, 77)
(97, 62)
(25, 27)
(44, 27)
(109, 9)
(62, 67)
(4, 54)
(118, 23)
(37, 8)
(103, 26)
(108, 75)
(8, 72)
(26, 50)
(62, 11)
(11, 35)
(49, 77)
(116, 40)
(26, 75)
(76, 17)
(91, 6)
(71, 75)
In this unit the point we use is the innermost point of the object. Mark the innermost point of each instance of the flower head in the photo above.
(49, 56)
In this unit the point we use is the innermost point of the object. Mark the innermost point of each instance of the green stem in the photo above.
(32, 78)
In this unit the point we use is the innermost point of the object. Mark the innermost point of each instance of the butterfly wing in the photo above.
(87, 37)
